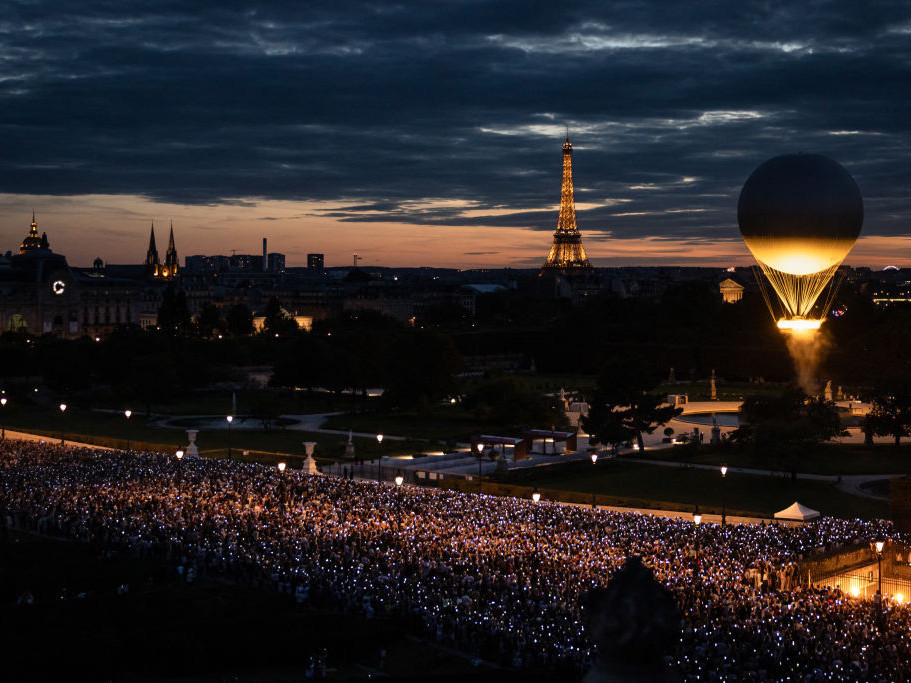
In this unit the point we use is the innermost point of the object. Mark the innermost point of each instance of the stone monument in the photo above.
(713, 388)
(192, 450)
(310, 463)
(349, 447)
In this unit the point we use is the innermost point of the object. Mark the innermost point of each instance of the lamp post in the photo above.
(179, 456)
(62, 411)
(379, 474)
(536, 497)
(724, 471)
(594, 457)
(480, 448)
(697, 520)
(281, 489)
(128, 414)
(230, 419)
(2, 429)
(399, 480)
(879, 570)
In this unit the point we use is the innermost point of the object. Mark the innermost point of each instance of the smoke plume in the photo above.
(807, 349)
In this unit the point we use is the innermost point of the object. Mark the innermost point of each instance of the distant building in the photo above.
(246, 263)
(168, 269)
(205, 265)
(276, 262)
(41, 294)
(731, 291)
(316, 262)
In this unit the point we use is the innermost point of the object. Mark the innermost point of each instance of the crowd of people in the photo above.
(502, 578)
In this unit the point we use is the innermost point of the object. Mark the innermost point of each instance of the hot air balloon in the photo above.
(799, 215)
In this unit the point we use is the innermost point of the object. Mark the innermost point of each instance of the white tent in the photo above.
(797, 512)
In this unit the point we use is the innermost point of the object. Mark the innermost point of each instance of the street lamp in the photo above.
(724, 471)
(128, 414)
(697, 520)
(2, 429)
(879, 569)
(399, 480)
(536, 497)
(379, 475)
(62, 411)
(281, 489)
(594, 457)
(230, 419)
(179, 456)
(480, 448)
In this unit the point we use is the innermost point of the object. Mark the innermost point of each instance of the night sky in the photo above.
(429, 133)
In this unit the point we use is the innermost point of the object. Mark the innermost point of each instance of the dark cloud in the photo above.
(423, 111)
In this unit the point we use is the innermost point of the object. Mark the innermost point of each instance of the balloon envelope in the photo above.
(800, 213)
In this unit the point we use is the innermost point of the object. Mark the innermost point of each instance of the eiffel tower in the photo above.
(567, 255)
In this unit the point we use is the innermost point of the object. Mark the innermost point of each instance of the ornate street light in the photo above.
(724, 471)
(229, 419)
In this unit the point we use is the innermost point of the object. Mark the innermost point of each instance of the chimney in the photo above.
(265, 258)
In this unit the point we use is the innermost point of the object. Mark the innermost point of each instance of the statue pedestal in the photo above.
(310, 463)
(192, 450)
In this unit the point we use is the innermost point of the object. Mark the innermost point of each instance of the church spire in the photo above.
(152, 254)
(170, 258)
(567, 253)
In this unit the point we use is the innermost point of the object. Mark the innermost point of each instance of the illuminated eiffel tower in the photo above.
(567, 255)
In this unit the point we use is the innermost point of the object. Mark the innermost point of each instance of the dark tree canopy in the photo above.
(621, 407)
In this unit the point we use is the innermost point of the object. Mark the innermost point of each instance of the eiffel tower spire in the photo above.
(567, 253)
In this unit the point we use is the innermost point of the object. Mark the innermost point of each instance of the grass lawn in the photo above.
(77, 422)
(825, 459)
(218, 402)
(208, 631)
(756, 495)
(446, 423)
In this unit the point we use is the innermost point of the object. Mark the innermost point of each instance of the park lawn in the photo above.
(726, 391)
(829, 458)
(219, 402)
(444, 424)
(76, 422)
(755, 495)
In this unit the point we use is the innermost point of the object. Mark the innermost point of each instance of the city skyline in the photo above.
(421, 134)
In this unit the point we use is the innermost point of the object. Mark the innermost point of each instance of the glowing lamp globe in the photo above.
(800, 215)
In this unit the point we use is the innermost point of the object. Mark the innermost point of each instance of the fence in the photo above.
(864, 582)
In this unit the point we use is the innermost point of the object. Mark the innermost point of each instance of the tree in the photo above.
(424, 367)
(173, 315)
(209, 320)
(890, 414)
(782, 427)
(622, 408)
(239, 320)
(277, 321)
(508, 402)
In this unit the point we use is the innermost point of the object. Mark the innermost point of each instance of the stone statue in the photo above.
(712, 385)
(827, 393)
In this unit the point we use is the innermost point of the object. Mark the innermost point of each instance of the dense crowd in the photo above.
(502, 578)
